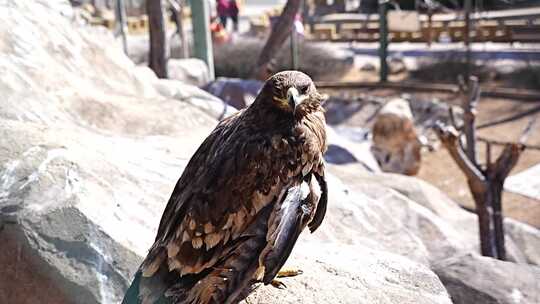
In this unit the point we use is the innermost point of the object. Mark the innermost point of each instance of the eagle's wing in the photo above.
(215, 199)
(292, 216)
(303, 205)
(320, 212)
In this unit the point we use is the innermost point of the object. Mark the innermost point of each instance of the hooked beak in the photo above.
(294, 98)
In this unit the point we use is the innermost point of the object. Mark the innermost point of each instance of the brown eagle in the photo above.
(242, 201)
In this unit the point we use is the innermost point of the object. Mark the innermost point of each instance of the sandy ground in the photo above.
(439, 169)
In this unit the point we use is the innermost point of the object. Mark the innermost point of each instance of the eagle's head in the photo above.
(292, 93)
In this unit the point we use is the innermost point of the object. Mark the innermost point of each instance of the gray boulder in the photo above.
(237, 93)
(457, 227)
(472, 279)
(190, 71)
(353, 274)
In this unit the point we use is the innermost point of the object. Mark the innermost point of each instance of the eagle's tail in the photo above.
(229, 281)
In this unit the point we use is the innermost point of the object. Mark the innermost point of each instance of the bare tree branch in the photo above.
(470, 101)
(452, 116)
(526, 132)
(449, 138)
(507, 160)
(279, 34)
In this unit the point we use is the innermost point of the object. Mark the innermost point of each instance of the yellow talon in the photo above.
(278, 284)
(283, 273)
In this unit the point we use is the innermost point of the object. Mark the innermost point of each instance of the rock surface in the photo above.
(237, 93)
(353, 274)
(474, 279)
(91, 147)
(191, 71)
(90, 150)
(443, 226)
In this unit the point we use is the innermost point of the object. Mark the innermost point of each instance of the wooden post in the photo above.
(467, 38)
(159, 50)
(383, 40)
(280, 33)
(470, 100)
(202, 39)
(122, 23)
(430, 27)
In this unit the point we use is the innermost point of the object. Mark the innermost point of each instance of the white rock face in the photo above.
(88, 140)
(525, 183)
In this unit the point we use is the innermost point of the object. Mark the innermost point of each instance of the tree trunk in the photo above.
(278, 36)
(483, 198)
(496, 174)
(158, 54)
(496, 188)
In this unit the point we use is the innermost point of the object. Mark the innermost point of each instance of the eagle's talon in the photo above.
(278, 284)
(290, 272)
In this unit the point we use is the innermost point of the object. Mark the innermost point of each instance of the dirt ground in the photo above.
(439, 169)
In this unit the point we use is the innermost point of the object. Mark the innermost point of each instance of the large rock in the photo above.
(526, 237)
(380, 217)
(237, 93)
(472, 279)
(191, 71)
(90, 151)
(353, 274)
(457, 228)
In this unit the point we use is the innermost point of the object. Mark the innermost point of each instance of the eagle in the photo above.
(242, 201)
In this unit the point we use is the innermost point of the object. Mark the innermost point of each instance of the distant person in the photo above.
(233, 13)
(228, 9)
(222, 8)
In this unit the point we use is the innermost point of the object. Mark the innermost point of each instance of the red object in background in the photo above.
(219, 34)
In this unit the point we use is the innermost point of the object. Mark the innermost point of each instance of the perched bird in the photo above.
(245, 196)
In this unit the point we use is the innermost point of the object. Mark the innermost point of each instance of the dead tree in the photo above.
(158, 55)
(280, 32)
(485, 182)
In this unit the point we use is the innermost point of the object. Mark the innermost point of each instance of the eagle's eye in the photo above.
(303, 89)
